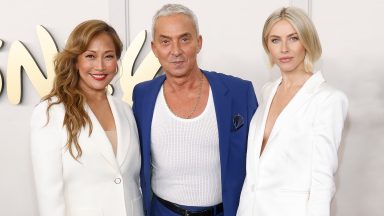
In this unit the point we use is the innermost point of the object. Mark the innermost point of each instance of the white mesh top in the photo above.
(185, 156)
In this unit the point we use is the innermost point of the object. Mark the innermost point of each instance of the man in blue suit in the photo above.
(193, 126)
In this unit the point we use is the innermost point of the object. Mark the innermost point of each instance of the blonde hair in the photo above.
(65, 85)
(305, 29)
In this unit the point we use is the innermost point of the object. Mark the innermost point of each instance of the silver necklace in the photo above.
(194, 106)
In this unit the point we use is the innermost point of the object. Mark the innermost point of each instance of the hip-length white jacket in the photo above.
(294, 176)
(98, 184)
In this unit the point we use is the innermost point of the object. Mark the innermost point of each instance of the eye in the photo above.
(185, 39)
(274, 40)
(90, 56)
(110, 56)
(164, 42)
(294, 38)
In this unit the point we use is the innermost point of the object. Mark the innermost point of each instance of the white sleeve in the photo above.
(46, 152)
(328, 126)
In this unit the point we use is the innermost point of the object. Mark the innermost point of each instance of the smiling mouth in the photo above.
(99, 76)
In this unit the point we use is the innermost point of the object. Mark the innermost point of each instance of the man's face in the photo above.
(176, 45)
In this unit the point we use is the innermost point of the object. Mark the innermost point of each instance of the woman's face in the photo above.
(285, 47)
(97, 65)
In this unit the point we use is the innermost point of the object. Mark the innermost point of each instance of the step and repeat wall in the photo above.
(351, 33)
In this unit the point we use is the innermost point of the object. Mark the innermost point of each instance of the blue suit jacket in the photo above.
(235, 103)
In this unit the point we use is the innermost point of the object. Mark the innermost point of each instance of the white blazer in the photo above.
(295, 174)
(98, 184)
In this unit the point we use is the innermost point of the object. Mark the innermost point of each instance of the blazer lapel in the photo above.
(223, 116)
(302, 96)
(268, 96)
(123, 137)
(101, 141)
(147, 115)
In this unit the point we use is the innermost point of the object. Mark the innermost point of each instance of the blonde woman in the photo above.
(295, 134)
(84, 143)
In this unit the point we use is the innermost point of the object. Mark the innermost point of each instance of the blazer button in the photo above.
(117, 180)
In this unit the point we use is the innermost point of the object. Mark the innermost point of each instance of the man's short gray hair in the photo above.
(171, 9)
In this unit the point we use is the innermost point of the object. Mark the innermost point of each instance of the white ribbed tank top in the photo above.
(185, 156)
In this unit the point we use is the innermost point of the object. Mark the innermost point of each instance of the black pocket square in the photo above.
(238, 122)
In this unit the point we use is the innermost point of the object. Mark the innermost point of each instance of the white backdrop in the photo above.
(350, 31)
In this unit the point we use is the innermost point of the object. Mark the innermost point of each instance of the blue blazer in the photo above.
(235, 103)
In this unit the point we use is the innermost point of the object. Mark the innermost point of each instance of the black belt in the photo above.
(210, 211)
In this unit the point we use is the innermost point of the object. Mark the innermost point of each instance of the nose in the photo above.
(176, 50)
(99, 64)
(284, 47)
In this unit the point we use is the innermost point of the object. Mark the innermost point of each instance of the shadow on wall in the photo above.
(359, 178)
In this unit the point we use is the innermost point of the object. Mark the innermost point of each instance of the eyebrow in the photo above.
(93, 51)
(290, 35)
(186, 34)
(180, 36)
(293, 34)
